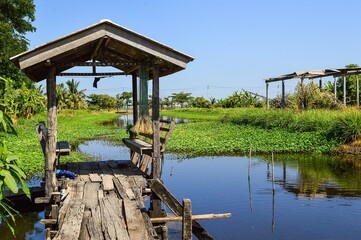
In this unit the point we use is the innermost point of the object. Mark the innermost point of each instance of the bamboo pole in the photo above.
(194, 217)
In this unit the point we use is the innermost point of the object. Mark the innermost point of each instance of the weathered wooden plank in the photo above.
(167, 197)
(112, 224)
(94, 177)
(91, 194)
(135, 221)
(107, 183)
(84, 177)
(152, 234)
(72, 221)
(48, 221)
(187, 220)
(84, 235)
(124, 181)
(120, 189)
(79, 190)
(105, 168)
(94, 225)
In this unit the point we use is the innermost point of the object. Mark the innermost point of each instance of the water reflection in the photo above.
(124, 120)
(296, 197)
(27, 227)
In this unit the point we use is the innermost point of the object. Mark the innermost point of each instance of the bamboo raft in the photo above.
(104, 202)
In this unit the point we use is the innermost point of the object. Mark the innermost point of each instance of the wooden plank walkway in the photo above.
(104, 202)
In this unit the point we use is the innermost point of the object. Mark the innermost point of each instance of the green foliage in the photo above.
(21, 102)
(125, 98)
(309, 96)
(346, 129)
(74, 126)
(200, 102)
(107, 102)
(10, 173)
(76, 98)
(181, 98)
(351, 90)
(241, 99)
(215, 138)
(16, 17)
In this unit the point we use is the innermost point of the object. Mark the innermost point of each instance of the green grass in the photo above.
(212, 132)
(235, 130)
(73, 126)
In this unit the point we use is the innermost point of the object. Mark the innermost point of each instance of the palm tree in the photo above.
(76, 97)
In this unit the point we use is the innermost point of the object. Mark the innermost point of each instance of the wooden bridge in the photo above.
(104, 202)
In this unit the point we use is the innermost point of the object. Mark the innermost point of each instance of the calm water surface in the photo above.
(312, 197)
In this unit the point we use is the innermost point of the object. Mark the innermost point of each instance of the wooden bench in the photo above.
(141, 145)
(62, 147)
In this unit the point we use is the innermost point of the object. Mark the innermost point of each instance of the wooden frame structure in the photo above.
(102, 44)
(313, 74)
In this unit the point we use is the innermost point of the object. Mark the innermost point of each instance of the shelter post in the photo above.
(320, 84)
(50, 150)
(335, 87)
(283, 95)
(156, 207)
(135, 97)
(357, 91)
(267, 96)
(143, 88)
(155, 117)
(344, 90)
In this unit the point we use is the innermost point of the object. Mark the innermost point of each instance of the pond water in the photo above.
(124, 120)
(311, 197)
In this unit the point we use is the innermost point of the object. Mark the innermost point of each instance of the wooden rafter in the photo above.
(92, 74)
(99, 64)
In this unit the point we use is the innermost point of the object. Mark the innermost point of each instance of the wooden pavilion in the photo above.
(317, 74)
(105, 44)
(102, 44)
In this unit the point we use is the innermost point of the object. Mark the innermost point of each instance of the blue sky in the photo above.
(236, 43)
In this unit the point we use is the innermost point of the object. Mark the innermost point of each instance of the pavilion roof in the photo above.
(311, 74)
(102, 44)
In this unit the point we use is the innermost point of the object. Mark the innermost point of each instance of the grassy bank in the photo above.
(73, 126)
(236, 130)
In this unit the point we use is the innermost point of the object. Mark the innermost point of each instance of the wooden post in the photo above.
(156, 169)
(344, 90)
(335, 87)
(187, 220)
(168, 198)
(156, 208)
(283, 95)
(320, 84)
(357, 91)
(50, 150)
(135, 97)
(267, 96)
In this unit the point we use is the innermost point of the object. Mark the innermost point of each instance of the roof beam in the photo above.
(92, 74)
(98, 64)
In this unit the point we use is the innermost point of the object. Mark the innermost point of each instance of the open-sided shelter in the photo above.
(102, 44)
